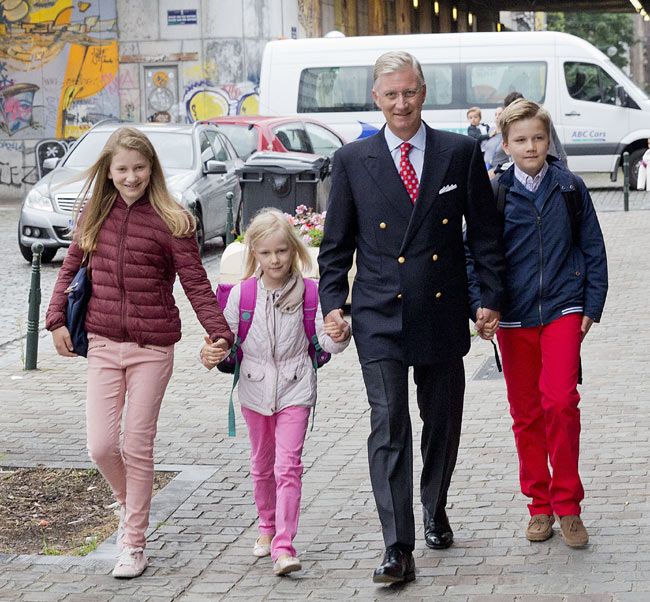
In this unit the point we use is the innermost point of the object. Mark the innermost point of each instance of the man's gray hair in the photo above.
(393, 61)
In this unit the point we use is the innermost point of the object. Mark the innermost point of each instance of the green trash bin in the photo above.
(283, 180)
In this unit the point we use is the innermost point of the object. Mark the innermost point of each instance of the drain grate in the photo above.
(488, 371)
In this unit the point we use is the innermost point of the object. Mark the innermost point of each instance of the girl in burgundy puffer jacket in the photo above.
(138, 239)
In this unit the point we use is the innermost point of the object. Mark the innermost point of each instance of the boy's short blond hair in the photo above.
(474, 110)
(523, 109)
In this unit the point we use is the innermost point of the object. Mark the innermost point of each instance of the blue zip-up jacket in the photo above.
(548, 274)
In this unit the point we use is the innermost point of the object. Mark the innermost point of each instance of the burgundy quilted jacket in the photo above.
(133, 271)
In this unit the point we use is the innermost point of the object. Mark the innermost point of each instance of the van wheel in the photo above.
(200, 231)
(635, 163)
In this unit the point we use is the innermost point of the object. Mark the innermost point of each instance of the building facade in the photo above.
(65, 65)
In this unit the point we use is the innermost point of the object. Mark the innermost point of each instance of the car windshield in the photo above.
(242, 136)
(174, 149)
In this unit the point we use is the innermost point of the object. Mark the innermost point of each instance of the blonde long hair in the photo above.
(269, 221)
(103, 195)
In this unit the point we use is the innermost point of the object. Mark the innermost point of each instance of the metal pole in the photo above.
(230, 236)
(31, 352)
(626, 181)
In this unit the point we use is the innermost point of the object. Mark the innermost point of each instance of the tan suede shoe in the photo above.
(573, 531)
(540, 527)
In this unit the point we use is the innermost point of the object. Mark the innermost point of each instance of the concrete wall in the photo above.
(66, 67)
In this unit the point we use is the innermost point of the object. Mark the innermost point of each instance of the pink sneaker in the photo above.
(131, 563)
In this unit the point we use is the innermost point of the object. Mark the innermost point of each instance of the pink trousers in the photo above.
(276, 468)
(116, 372)
(541, 366)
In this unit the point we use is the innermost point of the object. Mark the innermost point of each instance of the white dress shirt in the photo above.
(416, 156)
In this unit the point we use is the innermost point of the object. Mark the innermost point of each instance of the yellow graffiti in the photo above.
(89, 70)
(14, 10)
(206, 104)
(250, 105)
(49, 12)
(160, 79)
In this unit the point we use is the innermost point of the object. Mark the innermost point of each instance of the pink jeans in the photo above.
(276, 468)
(115, 371)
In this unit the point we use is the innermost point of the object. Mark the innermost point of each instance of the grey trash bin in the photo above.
(283, 180)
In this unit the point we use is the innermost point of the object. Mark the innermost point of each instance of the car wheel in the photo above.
(238, 220)
(200, 231)
(635, 163)
(46, 256)
(26, 251)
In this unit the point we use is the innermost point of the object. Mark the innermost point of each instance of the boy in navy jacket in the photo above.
(556, 284)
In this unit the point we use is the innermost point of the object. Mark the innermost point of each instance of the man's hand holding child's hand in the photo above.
(213, 353)
(336, 327)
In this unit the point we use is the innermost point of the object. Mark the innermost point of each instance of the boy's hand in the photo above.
(585, 326)
(487, 322)
(213, 353)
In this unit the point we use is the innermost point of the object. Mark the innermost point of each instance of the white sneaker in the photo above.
(262, 546)
(286, 564)
(131, 563)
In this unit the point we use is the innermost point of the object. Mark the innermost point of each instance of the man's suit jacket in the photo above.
(409, 297)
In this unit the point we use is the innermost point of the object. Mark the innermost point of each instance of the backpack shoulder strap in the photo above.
(573, 200)
(310, 307)
(499, 190)
(247, 300)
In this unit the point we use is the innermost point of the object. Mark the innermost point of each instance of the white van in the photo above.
(598, 112)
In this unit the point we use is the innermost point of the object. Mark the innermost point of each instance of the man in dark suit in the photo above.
(401, 208)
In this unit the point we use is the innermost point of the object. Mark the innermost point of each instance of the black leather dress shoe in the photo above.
(437, 532)
(397, 566)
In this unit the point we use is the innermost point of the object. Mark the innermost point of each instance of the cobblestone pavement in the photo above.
(202, 551)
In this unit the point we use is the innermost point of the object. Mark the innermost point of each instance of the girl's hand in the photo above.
(63, 342)
(213, 353)
(336, 331)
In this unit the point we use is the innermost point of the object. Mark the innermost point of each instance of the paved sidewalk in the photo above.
(202, 551)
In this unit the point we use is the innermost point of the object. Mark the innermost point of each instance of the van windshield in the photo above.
(174, 149)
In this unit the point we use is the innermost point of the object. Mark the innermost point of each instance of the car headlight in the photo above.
(35, 200)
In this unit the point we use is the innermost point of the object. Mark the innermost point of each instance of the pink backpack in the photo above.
(247, 300)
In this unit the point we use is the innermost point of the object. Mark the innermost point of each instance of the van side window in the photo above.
(439, 80)
(335, 89)
(585, 81)
(490, 83)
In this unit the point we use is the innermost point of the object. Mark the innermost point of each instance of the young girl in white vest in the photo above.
(277, 384)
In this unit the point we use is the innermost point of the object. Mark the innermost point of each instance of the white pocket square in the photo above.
(448, 188)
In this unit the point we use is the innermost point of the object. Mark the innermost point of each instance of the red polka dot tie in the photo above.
(407, 172)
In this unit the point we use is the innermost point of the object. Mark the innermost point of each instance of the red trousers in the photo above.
(541, 367)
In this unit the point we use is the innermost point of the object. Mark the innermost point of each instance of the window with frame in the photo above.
(293, 137)
(589, 82)
(323, 142)
(489, 83)
(335, 89)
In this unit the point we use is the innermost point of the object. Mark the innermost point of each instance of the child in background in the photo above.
(643, 181)
(138, 239)
(556, 283)
(476, 129)
(277, 384)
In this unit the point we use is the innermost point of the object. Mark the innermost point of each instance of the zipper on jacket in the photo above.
(275, 336)
(120, 272)
(538, 220)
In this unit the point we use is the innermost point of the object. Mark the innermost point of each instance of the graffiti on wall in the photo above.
(203, 100)
(57, 59)
(13, 172)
